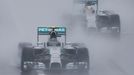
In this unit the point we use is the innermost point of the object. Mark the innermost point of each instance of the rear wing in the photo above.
(85, 1)
(90, 3)
(61, 31)
(47, 30)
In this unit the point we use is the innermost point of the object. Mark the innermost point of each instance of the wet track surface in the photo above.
(110, 54)
(105, 51)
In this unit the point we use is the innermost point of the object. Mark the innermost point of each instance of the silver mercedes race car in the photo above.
(54, 55)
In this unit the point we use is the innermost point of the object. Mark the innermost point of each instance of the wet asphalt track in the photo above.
(109, 54)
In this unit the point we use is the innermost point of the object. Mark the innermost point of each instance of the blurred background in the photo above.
(109, 55)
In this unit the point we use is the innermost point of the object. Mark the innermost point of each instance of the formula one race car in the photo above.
(101, 19)
(53, 55)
